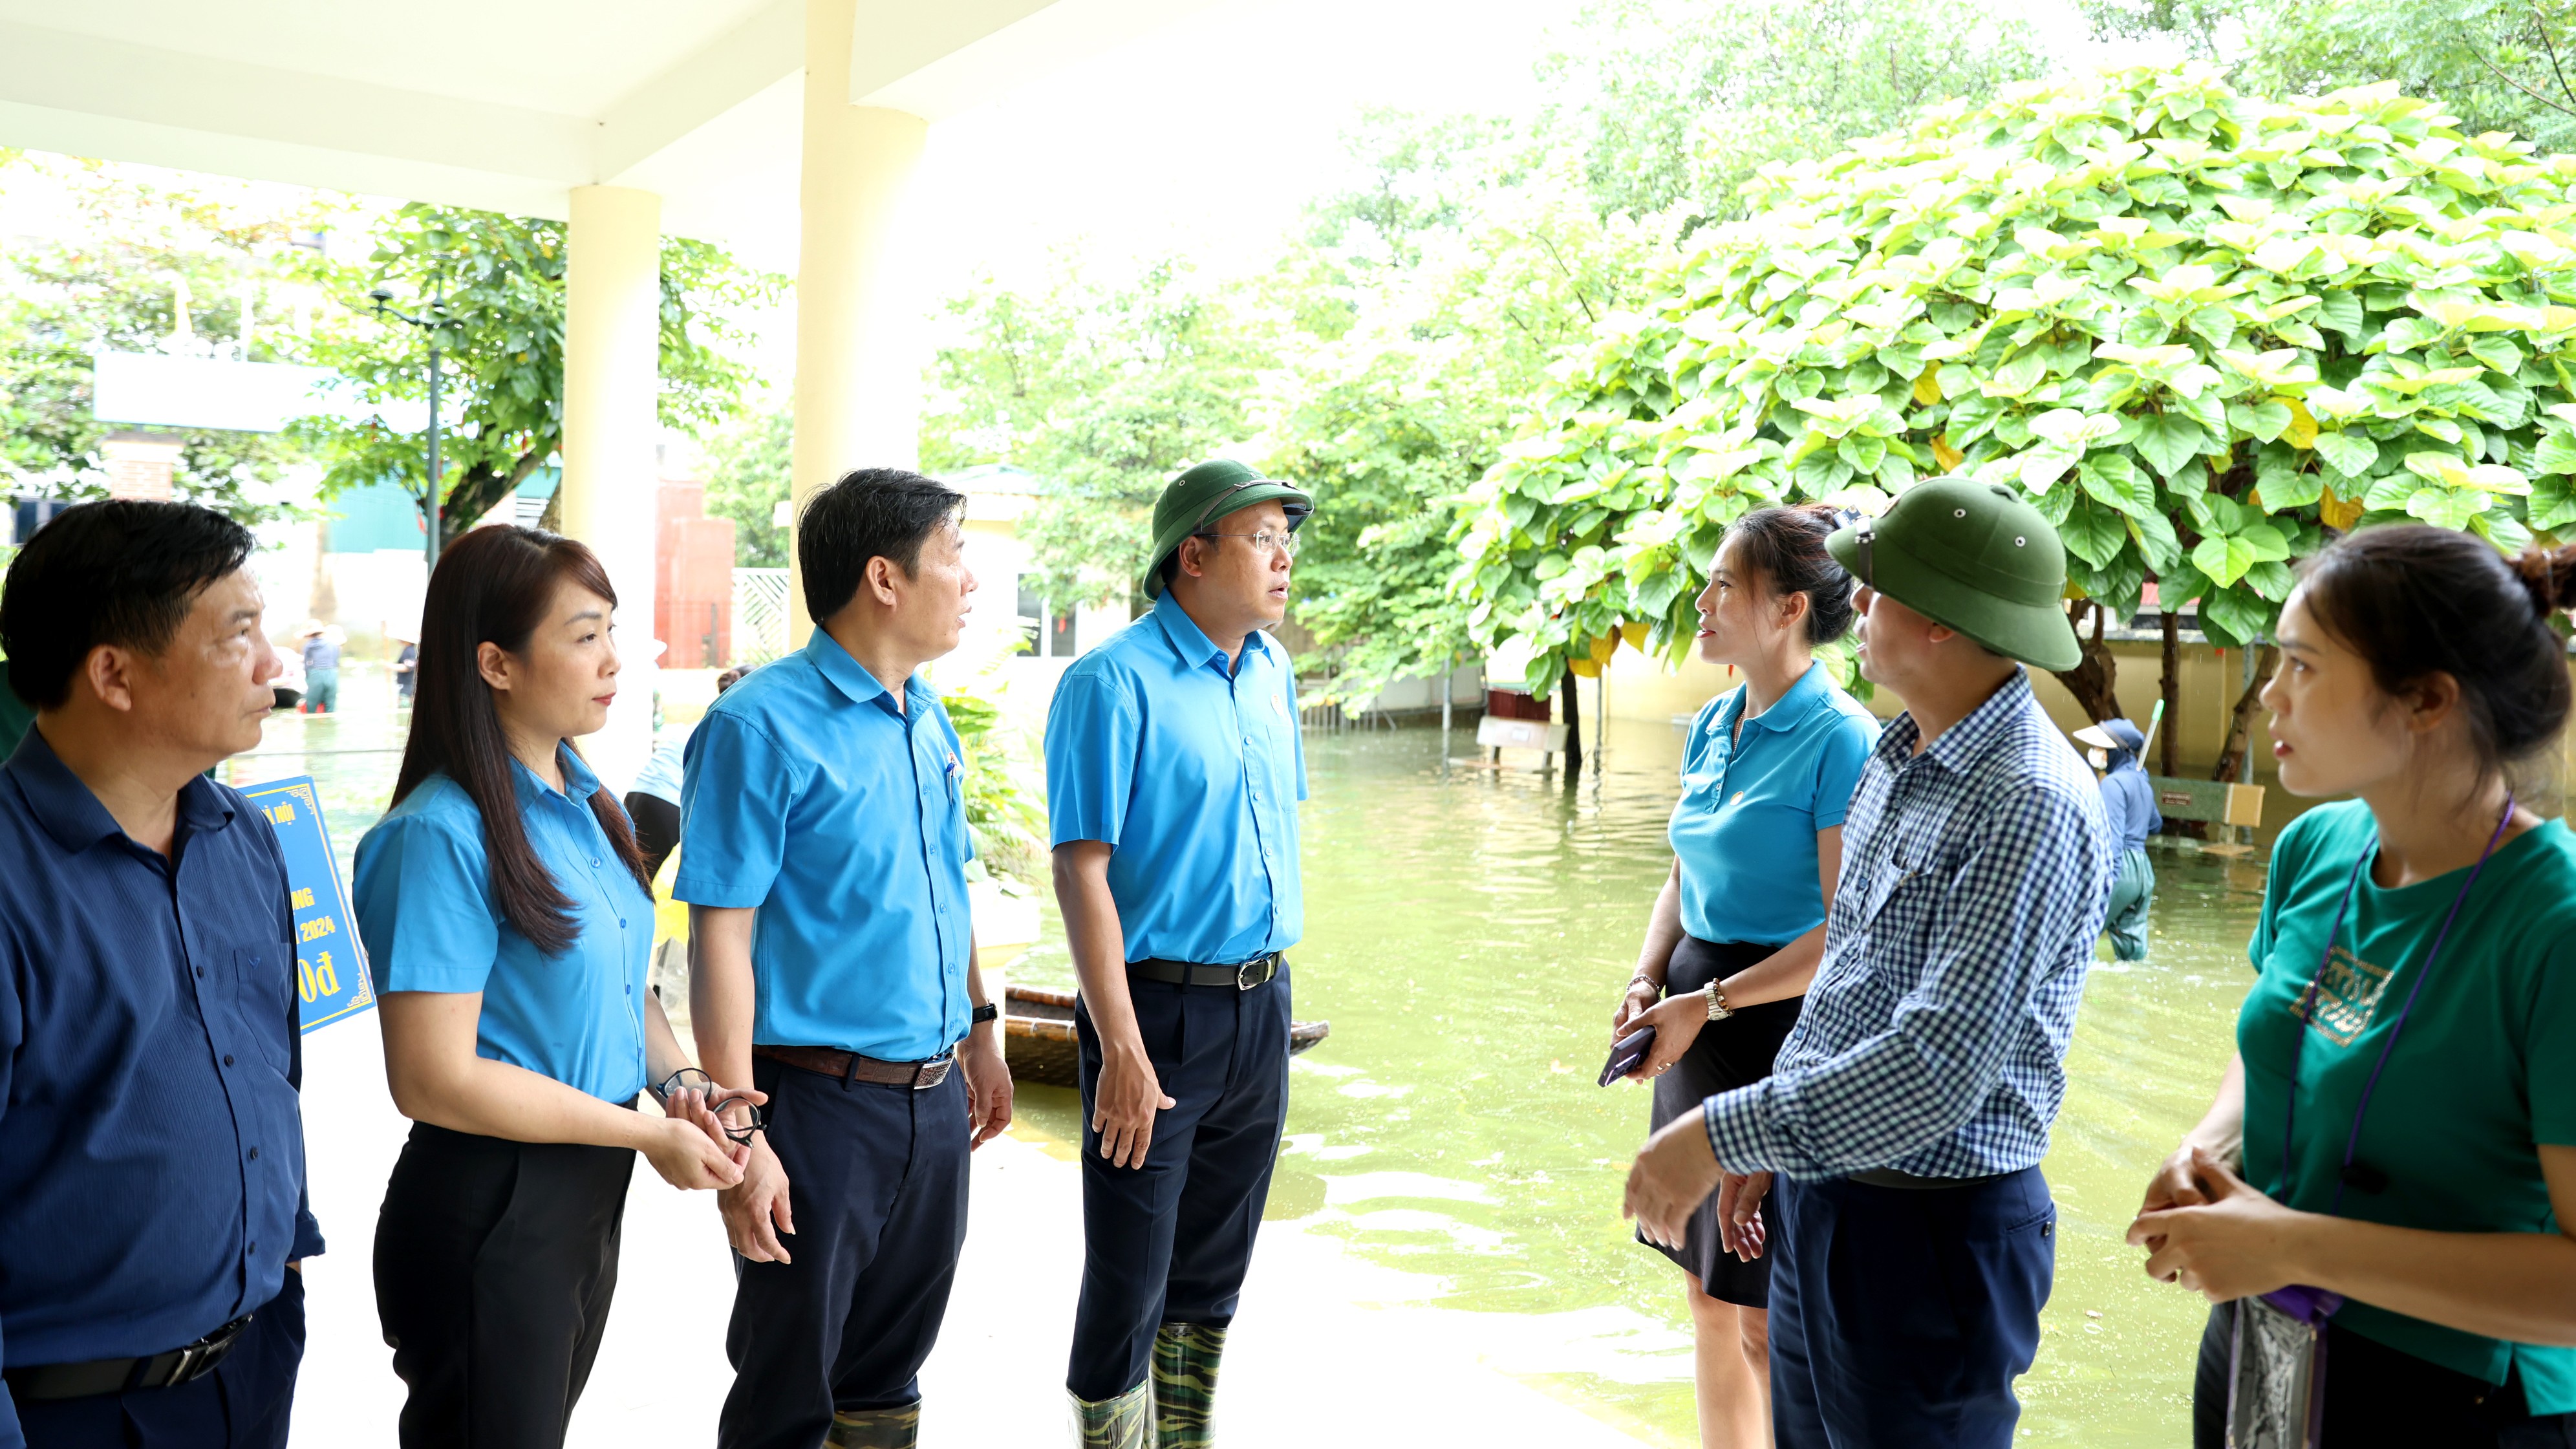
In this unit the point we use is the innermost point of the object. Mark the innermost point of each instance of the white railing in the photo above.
(759, 615)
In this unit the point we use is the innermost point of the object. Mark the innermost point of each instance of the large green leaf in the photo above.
(2169, 441)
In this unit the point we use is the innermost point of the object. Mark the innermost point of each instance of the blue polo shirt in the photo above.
(809, 795)
(431, 923)
(1745, 829)
(1192, 771)
(151, 1138)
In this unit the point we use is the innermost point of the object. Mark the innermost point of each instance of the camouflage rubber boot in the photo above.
(1125, 1422)
(1185, 1360)
(875, 1428)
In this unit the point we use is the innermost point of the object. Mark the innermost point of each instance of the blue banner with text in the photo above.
(330, 964)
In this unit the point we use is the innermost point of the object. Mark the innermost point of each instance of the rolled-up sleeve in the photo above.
(1994, 926)
(423, 890)
(736, 788)
(1092, 733)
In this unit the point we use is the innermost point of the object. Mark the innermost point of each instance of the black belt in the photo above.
(1242, 977)
(1890, 1177)
(115, 1375)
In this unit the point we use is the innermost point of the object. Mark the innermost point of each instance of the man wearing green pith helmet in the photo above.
(1913, 1237)
(1174, 769)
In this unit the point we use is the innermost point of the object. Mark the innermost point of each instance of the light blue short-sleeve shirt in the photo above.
(808, 796)
(1745, 828)
(431, 923)
(1191, 771)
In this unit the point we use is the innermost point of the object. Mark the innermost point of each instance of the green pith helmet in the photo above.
(1194, 501)
(1974, 556)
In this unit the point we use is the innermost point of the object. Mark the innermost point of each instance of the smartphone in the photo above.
(1624, 1057)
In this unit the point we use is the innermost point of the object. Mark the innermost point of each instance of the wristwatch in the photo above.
(984, 1013)
(1718, 1010)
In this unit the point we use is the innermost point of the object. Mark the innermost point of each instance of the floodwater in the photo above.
(1468, 932)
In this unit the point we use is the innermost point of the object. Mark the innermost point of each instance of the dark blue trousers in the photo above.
(243, 1404)
(876, 1181)
(1900, 1318)
(1169, 1242)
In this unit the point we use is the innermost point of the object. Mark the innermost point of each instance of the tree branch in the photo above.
(2517, 85)
(2542, 26)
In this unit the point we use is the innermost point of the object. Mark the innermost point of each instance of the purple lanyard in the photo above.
(2307, 1014)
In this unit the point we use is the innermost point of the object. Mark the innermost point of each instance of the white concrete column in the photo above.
(857, 389)
(612, 383)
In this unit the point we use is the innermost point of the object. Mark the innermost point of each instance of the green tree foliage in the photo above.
(2192, 325)
(1457, 273)
(751, 476)
(493, 286)
(1679, 102)
(1004, 790)
(2498, 65)
(111, 276)
(1104, 385)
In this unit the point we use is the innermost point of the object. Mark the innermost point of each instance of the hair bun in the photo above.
(2549, 576)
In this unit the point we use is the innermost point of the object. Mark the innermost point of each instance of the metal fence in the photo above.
(759, 615)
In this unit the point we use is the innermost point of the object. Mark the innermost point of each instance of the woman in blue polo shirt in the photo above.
(1740, 925)
(506, 914)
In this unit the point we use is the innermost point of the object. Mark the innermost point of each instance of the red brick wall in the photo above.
(693, 579)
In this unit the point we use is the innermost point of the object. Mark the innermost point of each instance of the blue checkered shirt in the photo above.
(1974, 880)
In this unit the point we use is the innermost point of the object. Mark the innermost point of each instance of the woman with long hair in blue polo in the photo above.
(508, 918)
(1740, 925)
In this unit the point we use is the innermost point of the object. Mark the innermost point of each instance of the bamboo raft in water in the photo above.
(1038, 1041)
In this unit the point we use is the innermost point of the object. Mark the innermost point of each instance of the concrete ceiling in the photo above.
(507, 104)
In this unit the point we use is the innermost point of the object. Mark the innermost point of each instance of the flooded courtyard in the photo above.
(1450, 1164)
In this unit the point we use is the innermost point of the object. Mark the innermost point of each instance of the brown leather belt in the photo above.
(851, 1067)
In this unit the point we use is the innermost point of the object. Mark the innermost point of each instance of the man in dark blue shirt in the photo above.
(152, 1207)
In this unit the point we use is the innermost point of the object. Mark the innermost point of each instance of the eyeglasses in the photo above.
(1263, 542)
(740, 1136)
(690, 1079)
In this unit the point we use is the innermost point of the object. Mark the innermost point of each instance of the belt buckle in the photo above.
(924, 1078)
(198, 1359)
(1267, 965)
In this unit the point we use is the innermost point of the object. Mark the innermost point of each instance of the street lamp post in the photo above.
(430, 503)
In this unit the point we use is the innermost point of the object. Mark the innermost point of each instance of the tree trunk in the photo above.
(1569, 689)
(2094, 681)
(482, 489)
(2168, 754)
(2233, 764)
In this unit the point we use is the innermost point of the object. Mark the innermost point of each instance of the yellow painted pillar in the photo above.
(856, 383)
(612, 381)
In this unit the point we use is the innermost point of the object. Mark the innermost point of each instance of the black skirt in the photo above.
(1727, 1054)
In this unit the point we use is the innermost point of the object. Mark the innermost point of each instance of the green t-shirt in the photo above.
(2485, 1071)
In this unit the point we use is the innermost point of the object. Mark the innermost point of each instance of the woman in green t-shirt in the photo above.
(2411, 1034)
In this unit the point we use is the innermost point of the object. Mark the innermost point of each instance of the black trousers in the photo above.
(495, 1264)
(1169, 1242)
(876, 1181)
(1900, 1318)
(657, 828)
(243, 1404)
(2377, 1395)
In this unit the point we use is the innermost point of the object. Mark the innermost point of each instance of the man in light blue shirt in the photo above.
(823, 855)
(1174, 769)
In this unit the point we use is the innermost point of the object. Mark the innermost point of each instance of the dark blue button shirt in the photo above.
(151, 1146)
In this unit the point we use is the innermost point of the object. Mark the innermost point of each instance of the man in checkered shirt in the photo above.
(1907, 1113)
